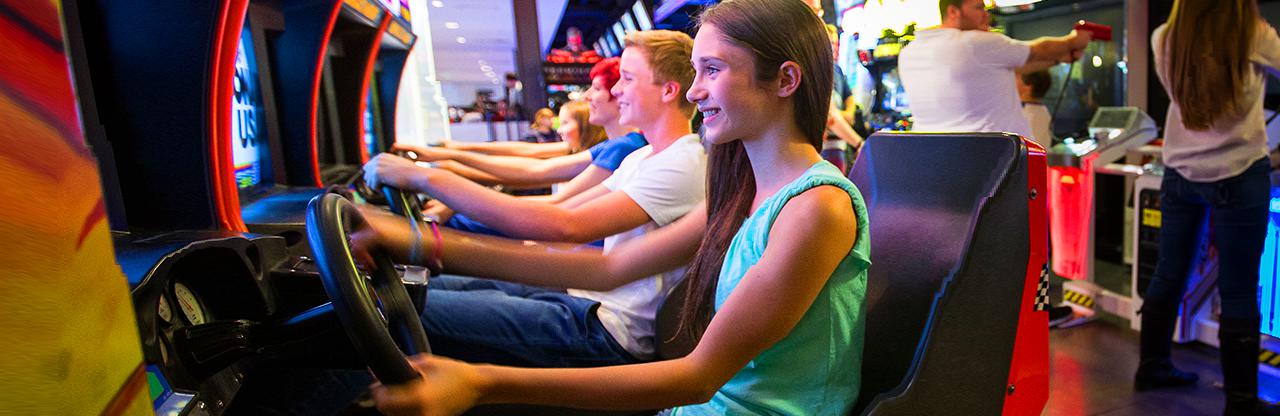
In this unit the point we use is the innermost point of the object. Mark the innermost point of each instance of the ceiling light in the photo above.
(486, 68)
(462, 39)
(451, 25)
(437, 3)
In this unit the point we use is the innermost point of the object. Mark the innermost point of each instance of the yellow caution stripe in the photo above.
(1269, 357)
(1078, 298)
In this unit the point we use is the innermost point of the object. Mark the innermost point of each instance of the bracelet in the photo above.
(436, 264)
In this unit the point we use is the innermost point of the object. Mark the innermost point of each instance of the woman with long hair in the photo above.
(1212, 58)
(777, 257)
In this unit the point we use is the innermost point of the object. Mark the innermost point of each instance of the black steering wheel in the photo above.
(376, 311)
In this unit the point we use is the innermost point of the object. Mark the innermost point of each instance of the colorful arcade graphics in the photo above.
(246, 116)
(72, 342)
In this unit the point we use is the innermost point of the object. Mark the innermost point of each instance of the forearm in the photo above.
(654, 385)
(536, 150)
(473, 174)
(843, 130)
(502, 212)
(1038, 65)
(513, 170)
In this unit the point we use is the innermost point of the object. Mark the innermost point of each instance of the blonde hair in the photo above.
(1207, 79)
(669, 54)
(588, 134)
(542, 113)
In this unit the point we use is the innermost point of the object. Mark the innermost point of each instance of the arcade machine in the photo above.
(1084, 178)
(379, 121)
(889, 109)
(349, 60)
(214, 306)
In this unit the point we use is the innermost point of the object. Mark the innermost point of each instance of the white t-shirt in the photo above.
(667, 185)
(1230, 146)
(963, 81)
(1038, 116)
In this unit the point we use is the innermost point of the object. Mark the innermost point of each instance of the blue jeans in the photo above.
(1238, 210)
(481, 320)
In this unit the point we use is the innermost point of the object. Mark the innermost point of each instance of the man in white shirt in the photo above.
(507, 323)
(959, 76)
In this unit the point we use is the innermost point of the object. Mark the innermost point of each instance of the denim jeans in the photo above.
(1238, 210)
(482, 320)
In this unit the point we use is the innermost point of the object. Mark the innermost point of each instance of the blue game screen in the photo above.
(248, 141)
(370, 141)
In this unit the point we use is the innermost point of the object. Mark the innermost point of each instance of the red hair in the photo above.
(608, 71)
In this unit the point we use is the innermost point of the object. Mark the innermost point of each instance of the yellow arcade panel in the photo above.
(71, 340)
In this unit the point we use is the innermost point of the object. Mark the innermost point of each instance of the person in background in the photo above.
(837, 124)
(1032, 86)
(512, 91)
(543, 129)
(958, 74)
(1212, 58)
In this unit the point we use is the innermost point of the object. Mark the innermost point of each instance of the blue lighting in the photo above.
(1269, 300)
(246, 110)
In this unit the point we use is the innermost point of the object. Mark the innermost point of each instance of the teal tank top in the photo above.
(815, 369)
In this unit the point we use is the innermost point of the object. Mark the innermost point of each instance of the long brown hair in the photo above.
(1208, 44)
(754, 25)
(588, 134)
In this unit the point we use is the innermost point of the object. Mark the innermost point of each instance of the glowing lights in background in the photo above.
(1269, 299)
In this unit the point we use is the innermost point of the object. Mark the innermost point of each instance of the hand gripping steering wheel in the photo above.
(376, 311)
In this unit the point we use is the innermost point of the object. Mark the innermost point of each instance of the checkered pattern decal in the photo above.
(1042, 289)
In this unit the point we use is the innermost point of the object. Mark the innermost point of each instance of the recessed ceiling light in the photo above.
(486, 68)
(437, 3)
(462, 39)
(451, 25)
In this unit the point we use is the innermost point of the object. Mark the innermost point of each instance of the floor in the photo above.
(1092, 374)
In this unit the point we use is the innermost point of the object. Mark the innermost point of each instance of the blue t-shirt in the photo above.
(815, 369)
(609, 154)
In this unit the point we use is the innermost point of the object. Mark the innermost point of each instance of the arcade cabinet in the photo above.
(379, 121)
(348, 62)
(156, 82)
(1082, 178)
(889, 110)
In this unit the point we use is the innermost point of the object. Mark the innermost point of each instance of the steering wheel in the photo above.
(376, 311)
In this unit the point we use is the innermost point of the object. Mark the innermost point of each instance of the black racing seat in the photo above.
(952, 264)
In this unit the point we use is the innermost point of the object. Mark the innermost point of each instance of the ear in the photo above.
(788, 78)
(671, 92)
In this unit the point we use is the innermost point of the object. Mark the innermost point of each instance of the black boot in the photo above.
(1238, 346)
(1155, 367)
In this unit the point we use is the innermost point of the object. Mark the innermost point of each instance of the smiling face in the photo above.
(734, 105)
(569, 131)
(604, 109)
(636, 92)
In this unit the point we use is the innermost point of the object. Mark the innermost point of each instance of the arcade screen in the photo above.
(370, 139)
(246, 117)
(895, 97)
(642, 16)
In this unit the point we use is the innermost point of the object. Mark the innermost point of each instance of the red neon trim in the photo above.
(127, 393)
(364, 84)
(226, 194)
(1029, 368)
(315, 89)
